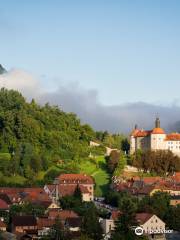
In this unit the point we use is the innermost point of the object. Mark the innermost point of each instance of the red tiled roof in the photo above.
(142, 133)
(173, 137)
(145, 133)
(9, 190)
(3, 205)
(62, 214)
(115, 214)
(24, 221)
(45, 222)
(44, 204)
(75, 178)
(134, 132)
(37, 197)
(158, 131)
(68, 190)
(148, 180)
(143, 217)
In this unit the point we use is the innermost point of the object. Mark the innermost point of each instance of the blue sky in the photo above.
(128, 50)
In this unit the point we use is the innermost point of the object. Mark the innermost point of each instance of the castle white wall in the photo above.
(158, 142)
(154, 142)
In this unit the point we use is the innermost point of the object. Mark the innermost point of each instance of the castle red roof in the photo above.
(134, 132)
(142, 133)
(45, 222)
(173, 137)
(158, 131)
(145, 133)
(148, 180)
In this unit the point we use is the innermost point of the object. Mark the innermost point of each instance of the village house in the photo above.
(150, 224)
(147, 186)
(71, 181)
(66, 184)
(108, 224)
(61, 214)
(22, 224)
(44, 226)
(69, 220)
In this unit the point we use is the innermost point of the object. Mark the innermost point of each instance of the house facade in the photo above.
(150, 223)
(155, 139)
(66, 184)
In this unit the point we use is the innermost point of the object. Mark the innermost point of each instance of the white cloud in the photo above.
(85, 103)
(22, 81)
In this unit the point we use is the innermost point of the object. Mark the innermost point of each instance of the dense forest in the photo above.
(34, 138)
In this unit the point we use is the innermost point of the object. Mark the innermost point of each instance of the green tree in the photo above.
(113, 160)
(126, 220)
(91, 225)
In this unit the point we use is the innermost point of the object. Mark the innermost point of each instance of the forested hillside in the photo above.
(33, 137)
(38, 142)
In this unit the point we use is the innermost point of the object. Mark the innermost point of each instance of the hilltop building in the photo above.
(155, 139)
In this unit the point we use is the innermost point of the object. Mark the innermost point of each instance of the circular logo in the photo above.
(139, 231)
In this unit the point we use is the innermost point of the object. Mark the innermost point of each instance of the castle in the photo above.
(155, 139)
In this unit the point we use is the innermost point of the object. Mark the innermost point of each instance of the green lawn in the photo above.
(100, 174)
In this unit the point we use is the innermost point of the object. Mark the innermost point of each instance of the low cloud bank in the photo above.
(85, 103)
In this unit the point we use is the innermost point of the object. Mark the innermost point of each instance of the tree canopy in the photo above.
(34, 137)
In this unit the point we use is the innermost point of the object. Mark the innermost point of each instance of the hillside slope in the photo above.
(36, 136)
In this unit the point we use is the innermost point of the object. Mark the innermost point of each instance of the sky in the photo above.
(105, 56)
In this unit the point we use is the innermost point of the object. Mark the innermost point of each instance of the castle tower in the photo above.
(157, 123)
(158, 136)
(133, 139)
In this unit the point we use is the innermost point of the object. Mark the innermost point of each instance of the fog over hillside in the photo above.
(86, 104)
